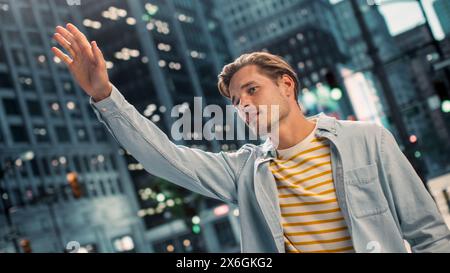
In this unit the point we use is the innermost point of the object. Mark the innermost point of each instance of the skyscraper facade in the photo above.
(43, 112)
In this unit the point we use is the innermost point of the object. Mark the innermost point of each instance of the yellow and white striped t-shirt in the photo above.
(311, 217)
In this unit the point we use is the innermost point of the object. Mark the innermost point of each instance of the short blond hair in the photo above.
(268, 64)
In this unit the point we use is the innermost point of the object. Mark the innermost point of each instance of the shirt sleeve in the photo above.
(210, 174)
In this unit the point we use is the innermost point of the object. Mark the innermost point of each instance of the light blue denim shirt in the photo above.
(381, 197)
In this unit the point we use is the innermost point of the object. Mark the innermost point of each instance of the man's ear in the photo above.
(288, 86)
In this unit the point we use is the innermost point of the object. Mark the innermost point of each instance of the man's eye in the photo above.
(252, 90)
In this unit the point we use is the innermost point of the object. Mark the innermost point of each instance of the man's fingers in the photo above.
(64, 43)
(69, 37)
(79, 37)
(66, 59)
(98, 55)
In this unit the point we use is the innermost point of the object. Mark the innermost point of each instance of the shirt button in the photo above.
(103, 109)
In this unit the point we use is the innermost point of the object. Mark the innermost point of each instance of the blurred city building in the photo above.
(317, 60)
(43, 111)
(417, 49)
(306, 34)
(415, 114)
(248, 24)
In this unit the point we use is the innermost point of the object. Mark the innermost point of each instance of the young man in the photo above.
(328, 185)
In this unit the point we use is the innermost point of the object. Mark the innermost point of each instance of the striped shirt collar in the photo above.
(302, 145)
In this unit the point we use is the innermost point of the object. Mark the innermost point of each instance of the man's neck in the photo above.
(293, 129)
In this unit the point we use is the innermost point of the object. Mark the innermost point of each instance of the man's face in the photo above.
(257, 98)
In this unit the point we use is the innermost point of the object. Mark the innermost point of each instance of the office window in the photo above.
(14, 37)
(77, 162)
(6, 16)
(120, 186)
(35, 39)
(87, 163)
(55, 108)
(68, 87)
(5, 80)
(92, 189)
(27, 83)
(11, 106)
(103, 190)
(64, 192)
(111, 186)
(82, 135)
(28, 17)
(2, 54)
(48, 85)
(19, 133)
(35, 167)
(34, 108)
(100, 134)
(113, 162)
(48, 19)
(41, 133)
(19, 57)
(46, 165)
(62, 134)
(24, 3)
(74, 110)
(18, 198)
(41, 60)
(55, 165)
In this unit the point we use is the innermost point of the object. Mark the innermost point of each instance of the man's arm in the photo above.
(421, 223)
(213, 175)
(210, 174)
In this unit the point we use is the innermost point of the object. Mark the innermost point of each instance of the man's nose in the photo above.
(245, 102)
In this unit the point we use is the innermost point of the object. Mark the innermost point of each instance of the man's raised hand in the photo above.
(85, 61)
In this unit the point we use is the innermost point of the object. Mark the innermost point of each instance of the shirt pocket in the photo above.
(364, 191)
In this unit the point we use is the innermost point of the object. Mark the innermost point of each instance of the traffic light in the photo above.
(415, 156)
(415, 146)
(413, 138)
(441, 91)
(72, 179)
(196, 224)
(26, 246)
(196, 229)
